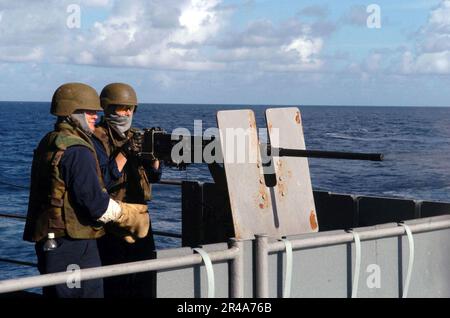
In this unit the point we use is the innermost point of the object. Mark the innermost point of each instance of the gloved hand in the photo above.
(134, 219)
(133, 146)
(114, 229)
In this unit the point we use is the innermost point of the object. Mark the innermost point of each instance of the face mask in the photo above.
(80, 119)
(121, 124)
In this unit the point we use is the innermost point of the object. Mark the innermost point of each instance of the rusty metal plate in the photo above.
(251, 199)
(250, 202)
(292, 197)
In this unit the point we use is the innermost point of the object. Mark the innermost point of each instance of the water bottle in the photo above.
(50, 244)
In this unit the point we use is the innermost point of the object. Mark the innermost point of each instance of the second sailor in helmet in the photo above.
(128, 178)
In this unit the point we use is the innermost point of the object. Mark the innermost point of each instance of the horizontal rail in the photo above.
(166, 181)
(428, 224)
(168, 234)
(14, 185)
(170, 263)
(171, 182)
(160, 233)
(13, 261)
(12, 216)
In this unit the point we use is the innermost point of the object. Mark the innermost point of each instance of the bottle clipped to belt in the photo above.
(51, 243)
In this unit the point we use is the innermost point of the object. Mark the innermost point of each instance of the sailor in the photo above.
(67, 196)
(129, 180)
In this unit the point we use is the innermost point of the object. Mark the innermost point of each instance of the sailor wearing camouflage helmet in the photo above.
(129, 180)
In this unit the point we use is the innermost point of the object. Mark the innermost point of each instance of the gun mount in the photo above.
(267, 185)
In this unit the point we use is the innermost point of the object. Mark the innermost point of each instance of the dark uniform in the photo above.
(132, 185)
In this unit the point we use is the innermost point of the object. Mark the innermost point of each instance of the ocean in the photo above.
(414, 140)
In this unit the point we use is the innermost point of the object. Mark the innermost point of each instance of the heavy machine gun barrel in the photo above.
(283, 152)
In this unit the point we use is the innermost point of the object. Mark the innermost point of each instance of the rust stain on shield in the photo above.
(263, 197)
(297, 118)
(281, 177)
(313, 221)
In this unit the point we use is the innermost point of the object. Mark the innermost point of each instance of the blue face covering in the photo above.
(121, 124)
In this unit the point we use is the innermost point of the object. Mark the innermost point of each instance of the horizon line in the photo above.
(255, 105)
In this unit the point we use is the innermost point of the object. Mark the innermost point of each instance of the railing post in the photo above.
(236, 272)
(262, 266)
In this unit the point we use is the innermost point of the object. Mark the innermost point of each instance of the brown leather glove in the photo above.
(114, 229)
(134, 219)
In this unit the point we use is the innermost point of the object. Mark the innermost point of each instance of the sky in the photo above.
(265, 52)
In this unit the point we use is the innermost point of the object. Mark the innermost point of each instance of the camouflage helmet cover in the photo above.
(118, 94)
(70, 97)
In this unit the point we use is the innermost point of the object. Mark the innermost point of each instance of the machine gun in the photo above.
(160, 144)
(260, 187)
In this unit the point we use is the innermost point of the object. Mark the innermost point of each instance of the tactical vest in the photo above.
(50, 207)
(133, 186)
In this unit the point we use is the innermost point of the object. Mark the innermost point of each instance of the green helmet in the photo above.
(118, 94)
(74, 96)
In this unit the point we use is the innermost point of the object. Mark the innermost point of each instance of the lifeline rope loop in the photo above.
(209, 270)
(288, 277)
(410, 260)
(357, 263)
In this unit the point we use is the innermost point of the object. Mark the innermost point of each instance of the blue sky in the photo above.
(266, 52)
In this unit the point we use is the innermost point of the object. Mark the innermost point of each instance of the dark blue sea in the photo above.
(415, 142)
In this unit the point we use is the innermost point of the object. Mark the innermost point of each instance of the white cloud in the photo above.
(29, 29)
(441, 16)
(96, 3)
(15, 54)
(437, 63)
(85, 57)
(306, 48)
(154, 34)
(290, 46)
(134, 36)
(197, 14)
(433, 46)
(193, 36)
(187, 35)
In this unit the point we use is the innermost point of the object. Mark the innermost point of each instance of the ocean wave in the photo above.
(348, 137)
(384, 138)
